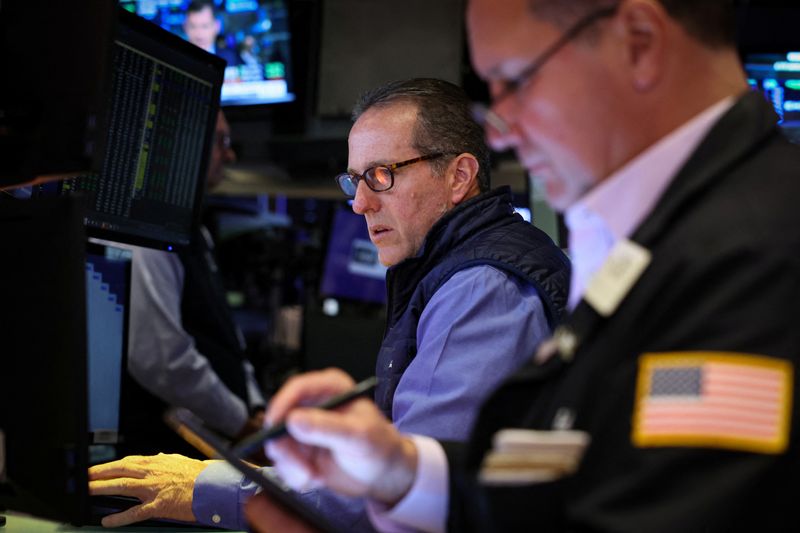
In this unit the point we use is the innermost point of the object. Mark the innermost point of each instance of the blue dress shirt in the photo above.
(478, 328)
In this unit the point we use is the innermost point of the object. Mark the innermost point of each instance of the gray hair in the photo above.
(444, 121)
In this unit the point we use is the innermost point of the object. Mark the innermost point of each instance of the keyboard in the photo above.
(101, 506)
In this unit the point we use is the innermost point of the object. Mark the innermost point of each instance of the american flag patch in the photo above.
(713, 399)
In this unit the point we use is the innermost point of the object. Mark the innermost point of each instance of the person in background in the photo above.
(185, 348)
(472, 288)
(668, 396)
(249, 52)
(202, 29)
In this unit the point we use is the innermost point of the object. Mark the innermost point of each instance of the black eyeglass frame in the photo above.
(483, 112)
(353, 177)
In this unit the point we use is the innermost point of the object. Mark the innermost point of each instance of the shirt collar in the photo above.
(613, 209)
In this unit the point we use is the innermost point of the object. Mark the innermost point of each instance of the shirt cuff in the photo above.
(220, 492)
(424, 508)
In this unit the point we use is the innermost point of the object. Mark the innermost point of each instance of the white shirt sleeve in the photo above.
(162, 356)
(425, 506)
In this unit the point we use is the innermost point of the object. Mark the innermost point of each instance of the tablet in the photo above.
(194, 431)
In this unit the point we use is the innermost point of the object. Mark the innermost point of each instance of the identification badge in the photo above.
(616, 277)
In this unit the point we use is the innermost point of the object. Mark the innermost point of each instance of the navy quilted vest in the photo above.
(481, 231)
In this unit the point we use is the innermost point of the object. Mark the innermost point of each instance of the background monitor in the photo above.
(160, 128)
(769, 47)
(254, 38)
(777, 76)
(352, 270)
(108, 271)
(346, 330)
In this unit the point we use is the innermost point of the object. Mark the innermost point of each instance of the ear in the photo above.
(644, 30)
(463, 178)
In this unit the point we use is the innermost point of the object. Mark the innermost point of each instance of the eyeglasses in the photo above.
(484, 115)
(379, 178)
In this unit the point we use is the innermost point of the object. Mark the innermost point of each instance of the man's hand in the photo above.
(353, 450)
(163, 483)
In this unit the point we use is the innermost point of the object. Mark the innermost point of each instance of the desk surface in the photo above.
(18, 523)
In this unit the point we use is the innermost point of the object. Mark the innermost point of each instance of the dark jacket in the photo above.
(481, 231)
(725, 276)
(207, 317)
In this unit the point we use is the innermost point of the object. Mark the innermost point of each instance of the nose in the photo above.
(502, 132)
(365, 200)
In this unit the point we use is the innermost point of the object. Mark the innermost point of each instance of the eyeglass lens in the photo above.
(377, 178)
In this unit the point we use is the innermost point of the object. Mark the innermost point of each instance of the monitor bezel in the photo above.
(45, 391)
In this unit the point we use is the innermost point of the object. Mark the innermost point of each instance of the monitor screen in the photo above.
(352, 269)
(777, 76)
(107, 295)
(252, 36)
(160, 128)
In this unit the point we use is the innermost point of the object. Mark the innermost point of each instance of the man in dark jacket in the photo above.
(666, 402)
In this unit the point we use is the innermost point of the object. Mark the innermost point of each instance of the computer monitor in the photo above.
(108, 271)
(161, 121)
(777, 76)
(43, 393)
(64, 354)
(253, 36)
(352, 270)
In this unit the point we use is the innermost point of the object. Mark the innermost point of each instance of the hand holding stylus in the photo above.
(250, 443)
(353, 450)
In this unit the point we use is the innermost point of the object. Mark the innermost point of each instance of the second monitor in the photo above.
(165, 96)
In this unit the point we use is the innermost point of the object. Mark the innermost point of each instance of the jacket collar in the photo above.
(734, 137)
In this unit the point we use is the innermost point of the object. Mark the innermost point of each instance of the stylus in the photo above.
(251, 443)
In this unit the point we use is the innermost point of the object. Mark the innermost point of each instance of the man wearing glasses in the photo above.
(667, 400)
(472, 290)
(468, 279)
